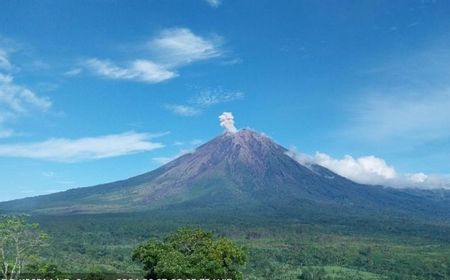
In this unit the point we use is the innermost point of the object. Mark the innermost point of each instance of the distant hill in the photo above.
(244, 169)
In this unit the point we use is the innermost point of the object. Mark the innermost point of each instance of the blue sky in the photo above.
(95, 91)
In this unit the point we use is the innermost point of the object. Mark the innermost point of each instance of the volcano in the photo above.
(239, 169)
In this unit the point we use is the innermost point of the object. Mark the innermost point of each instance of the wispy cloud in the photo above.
(187, 148)
(194, 142)
(180, 46)
(425, 67)
(164, 160)
(182, 110)
(16, 100)
(5, 63)
(402, 115)
(169, 50)
(214, 3)
(19, 99)
(74, 71)
(406, 105)
(48, 174)
(139, 70)
(215, 96)
(203, 100)
(88, 148)
(372, 170)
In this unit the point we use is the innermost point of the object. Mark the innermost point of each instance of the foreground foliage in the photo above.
(19, 242)
(190, 253)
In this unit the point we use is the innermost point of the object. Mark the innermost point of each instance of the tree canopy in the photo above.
(191, 253)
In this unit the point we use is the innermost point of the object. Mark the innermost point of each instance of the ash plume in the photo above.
(227, 121)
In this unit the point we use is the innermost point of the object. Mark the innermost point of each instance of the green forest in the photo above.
(275, 246)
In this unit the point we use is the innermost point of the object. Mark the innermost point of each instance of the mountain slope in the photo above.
(234, 169)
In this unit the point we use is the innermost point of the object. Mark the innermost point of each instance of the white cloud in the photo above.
(179, 46)
(405, 109)
(169, 50)
(216, 96)
(182, 110)
(214, 3)
(139, 70)
(72, 150)
(372, 170)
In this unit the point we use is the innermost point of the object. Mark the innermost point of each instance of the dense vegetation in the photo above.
(190, 254)
(325, 245)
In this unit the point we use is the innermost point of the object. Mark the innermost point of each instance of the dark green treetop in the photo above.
(191, 253)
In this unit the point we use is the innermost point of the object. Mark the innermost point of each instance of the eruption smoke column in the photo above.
(227, 121)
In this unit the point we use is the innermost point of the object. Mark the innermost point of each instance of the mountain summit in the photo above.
(232, 170)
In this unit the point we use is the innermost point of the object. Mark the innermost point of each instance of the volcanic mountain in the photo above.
(232, 170)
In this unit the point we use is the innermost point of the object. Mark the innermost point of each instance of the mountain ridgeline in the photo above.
(244, 169)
